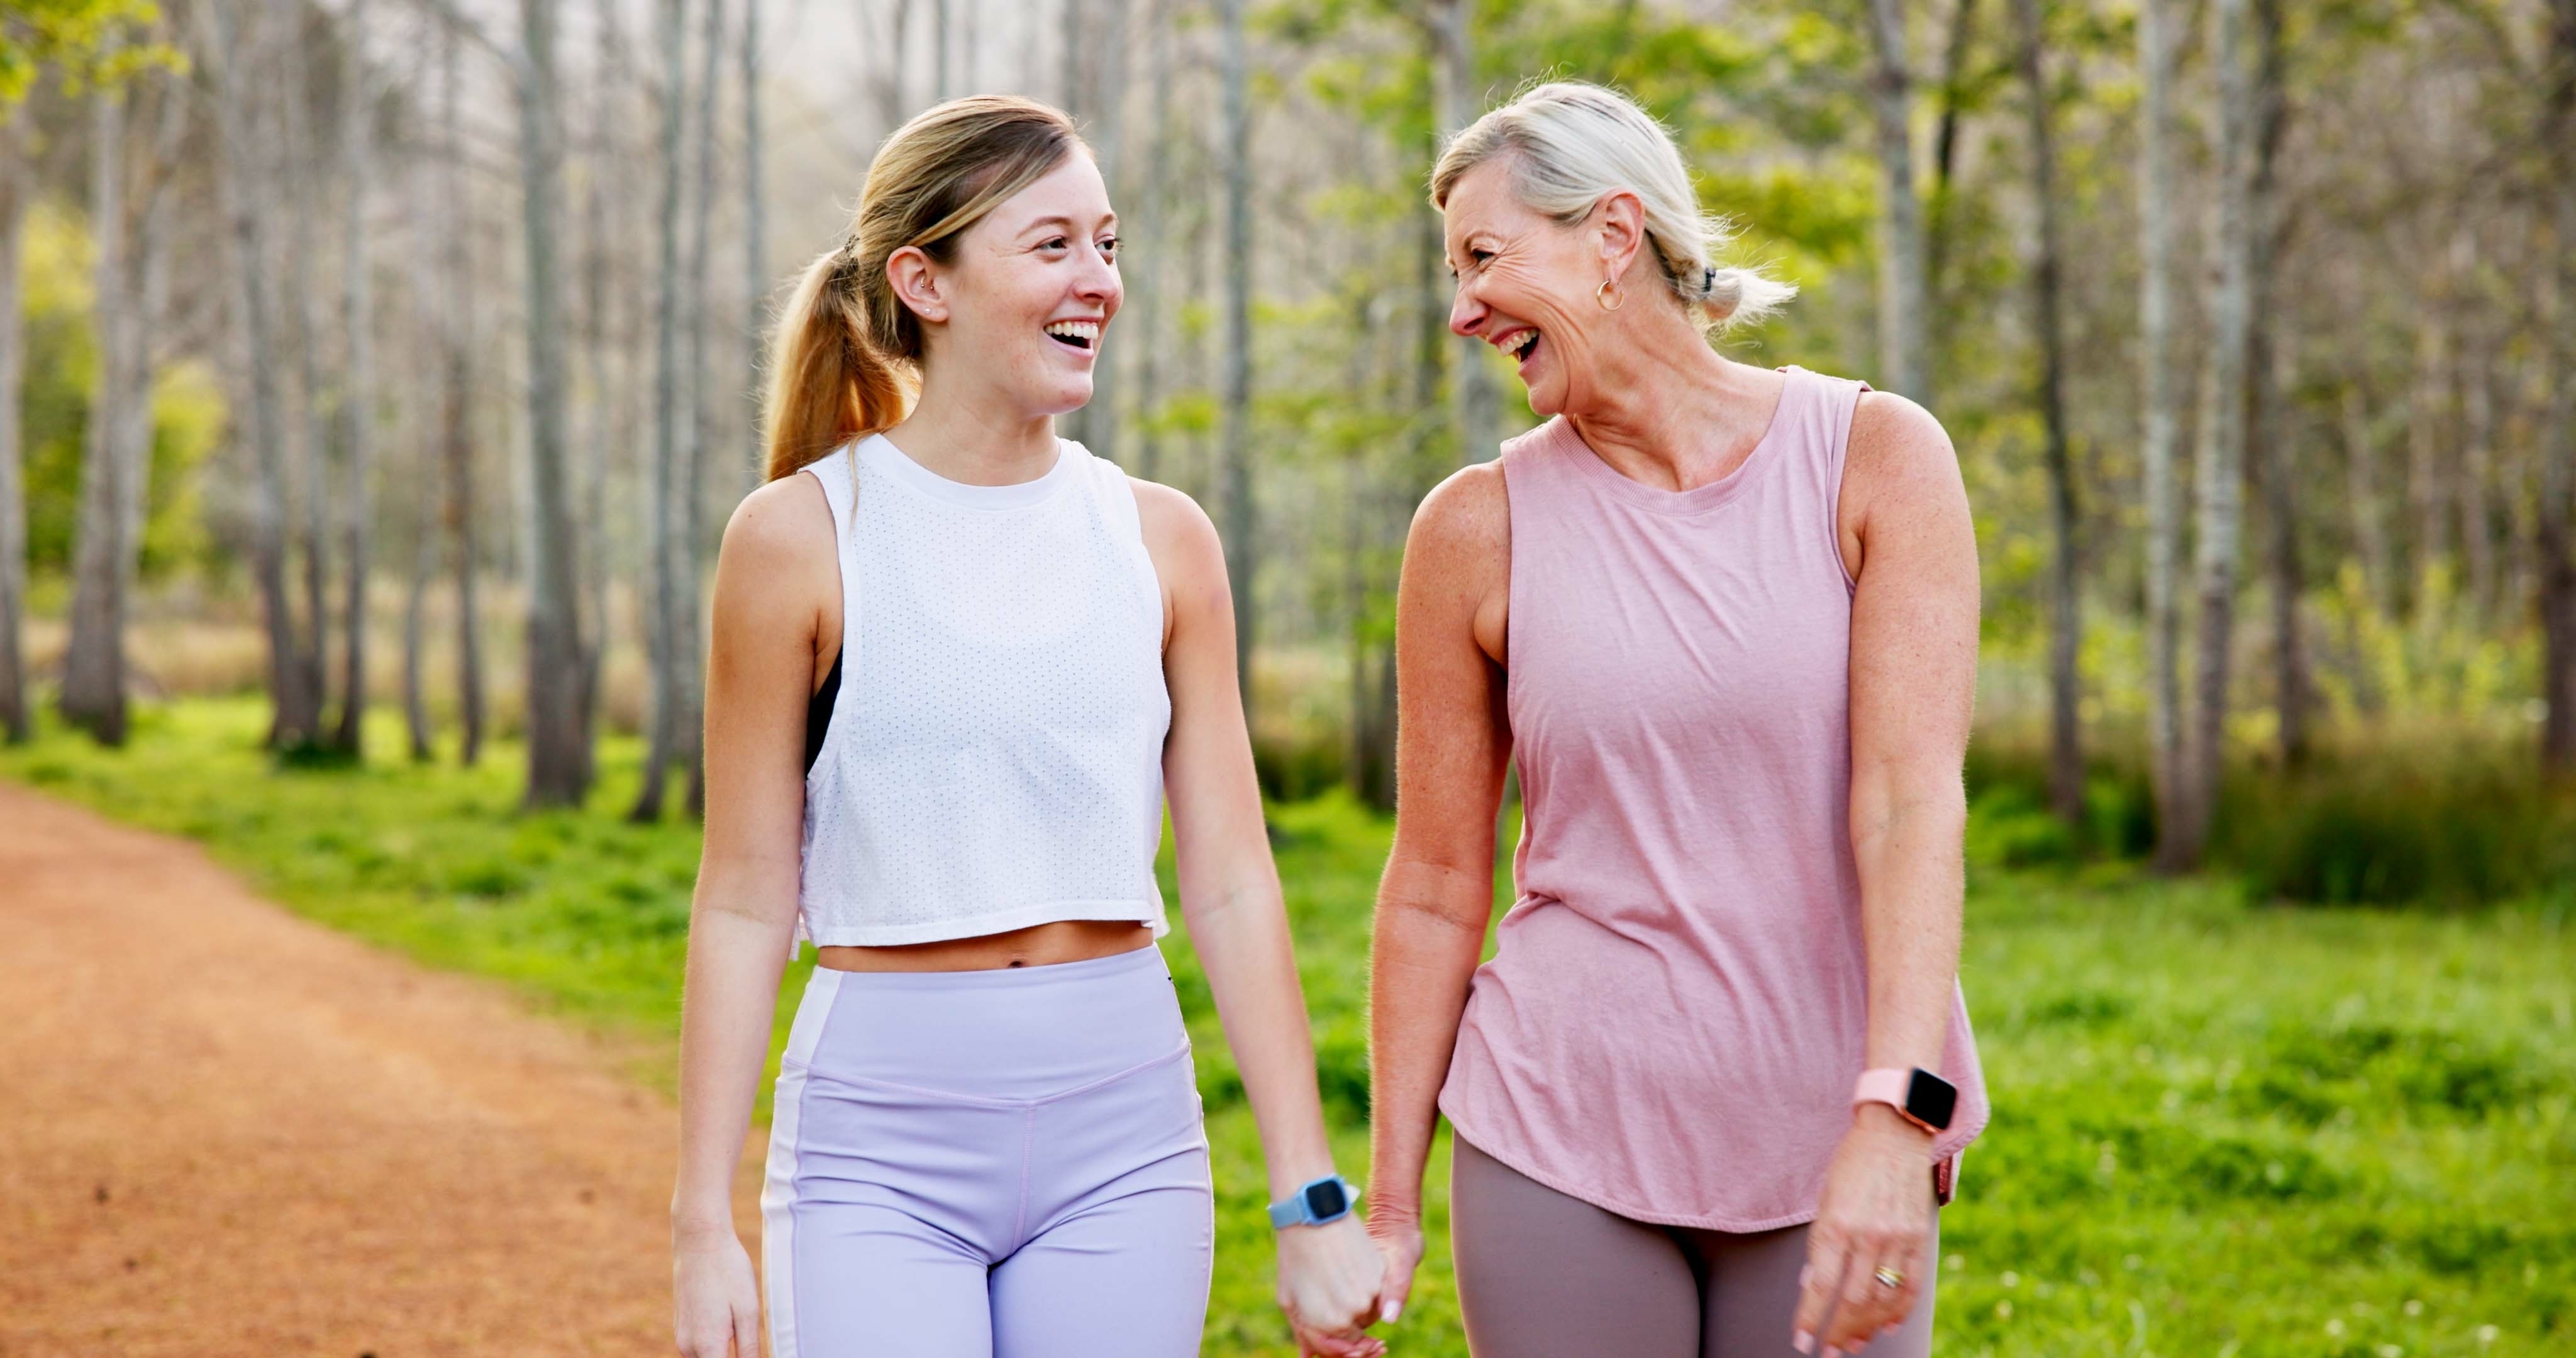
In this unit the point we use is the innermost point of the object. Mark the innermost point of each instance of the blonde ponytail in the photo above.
(847, 357)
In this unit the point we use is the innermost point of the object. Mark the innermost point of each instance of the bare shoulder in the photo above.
(1170, 516)
(1898, 453)
(1181, 538)
(1465, 520)
(782, 521)
(777, 553)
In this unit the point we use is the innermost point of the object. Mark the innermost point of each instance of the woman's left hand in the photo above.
(1876, 1213)
(1329, 1278)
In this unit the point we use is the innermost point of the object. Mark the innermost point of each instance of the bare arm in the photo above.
(759, 678)
(1433, 905)
(1238, 923)
(1913, 686)
(1911, 547)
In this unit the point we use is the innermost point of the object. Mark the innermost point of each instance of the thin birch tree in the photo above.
(2065, 640)
(1904, 358)
(358, 383)
(2557, 518)
(2158, 426)
(15, 725)
(670, 28)
(2218, 468)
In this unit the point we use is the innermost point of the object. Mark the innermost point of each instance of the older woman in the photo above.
(1716, 1079)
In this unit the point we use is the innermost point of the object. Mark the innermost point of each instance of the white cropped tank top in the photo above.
(993, 757)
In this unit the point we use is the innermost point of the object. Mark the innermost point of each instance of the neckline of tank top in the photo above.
(1698, 499)
(897, 465)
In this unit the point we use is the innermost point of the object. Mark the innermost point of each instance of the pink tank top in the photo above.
(1678, 1006)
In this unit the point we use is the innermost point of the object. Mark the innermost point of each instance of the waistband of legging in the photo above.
(1147, 960)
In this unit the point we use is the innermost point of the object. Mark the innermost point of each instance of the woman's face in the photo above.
(1525, 284)
(1026, 300)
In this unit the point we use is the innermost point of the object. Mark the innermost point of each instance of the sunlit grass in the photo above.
(2221, 1128)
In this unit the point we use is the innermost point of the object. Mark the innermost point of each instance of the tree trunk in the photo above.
(2158, 433)
(1241, 558)
(1153, 222)
(457, 419)
(358, 389)
(2066, 752)
(2270, 370)
(1904, 359)
(559, 752)
(133, 287)
(93, 694)
(2218, 470)
(14, 723)
(704, 427)
(1954, 93)
(660, 527)
(304, 338)
(1108, 143)
(755, 243)
(2557, 520)
(245, 195)
(423, 428)
(1455, 94)
(599, 244)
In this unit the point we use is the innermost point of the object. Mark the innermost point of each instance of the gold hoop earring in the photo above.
(1607, 305)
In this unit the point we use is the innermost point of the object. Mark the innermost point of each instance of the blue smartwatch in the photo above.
(1325, 1199)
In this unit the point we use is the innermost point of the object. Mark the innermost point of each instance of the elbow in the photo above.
(1892, 807)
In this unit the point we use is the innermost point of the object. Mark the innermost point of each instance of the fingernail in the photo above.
(1803, 1342)
(1805, 1271)
(1391, 1310)
(1832, 1352)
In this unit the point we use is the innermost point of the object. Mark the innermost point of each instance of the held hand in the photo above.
(1398, 1233)
(1328, 1285)
(715, 1304)
(1876, 1214)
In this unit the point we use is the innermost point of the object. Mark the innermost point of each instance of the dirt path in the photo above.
(224, 1130)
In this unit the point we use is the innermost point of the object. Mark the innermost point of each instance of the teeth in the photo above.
(1519, 344)
(1086, 331)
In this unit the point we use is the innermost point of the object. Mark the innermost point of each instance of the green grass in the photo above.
(2221, 1128)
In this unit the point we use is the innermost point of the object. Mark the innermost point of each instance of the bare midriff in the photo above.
(1039, 945)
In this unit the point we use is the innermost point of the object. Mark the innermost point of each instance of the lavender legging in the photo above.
(981, 1163)
(1543, 1275)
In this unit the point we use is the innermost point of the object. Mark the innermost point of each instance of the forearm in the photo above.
(1239, 928)
(1422, 956)
(735, 960)
(1906, 839)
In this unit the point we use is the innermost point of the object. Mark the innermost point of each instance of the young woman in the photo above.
(1725, 618)
(956, 663)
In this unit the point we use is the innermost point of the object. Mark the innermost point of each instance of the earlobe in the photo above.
(909, 273)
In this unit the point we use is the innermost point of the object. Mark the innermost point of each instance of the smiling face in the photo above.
(1526, 284)
(1026, 298)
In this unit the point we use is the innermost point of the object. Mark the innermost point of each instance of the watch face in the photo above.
(1931, 1099)
(1326, 1199)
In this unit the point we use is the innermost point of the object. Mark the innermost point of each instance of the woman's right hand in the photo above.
(715, 1301)
(1398, 1233)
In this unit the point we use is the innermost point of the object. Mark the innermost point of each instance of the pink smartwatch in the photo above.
(1917, 1095)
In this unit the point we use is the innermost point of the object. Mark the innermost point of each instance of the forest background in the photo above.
(377, 374)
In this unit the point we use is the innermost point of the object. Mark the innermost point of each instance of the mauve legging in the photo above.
(1544, 1275)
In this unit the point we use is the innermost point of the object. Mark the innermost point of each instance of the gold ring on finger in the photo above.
(1888, 1277)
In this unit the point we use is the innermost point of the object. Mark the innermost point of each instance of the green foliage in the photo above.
(2461, 822)
(82, 37)
(188, 412)
(2218, 1128)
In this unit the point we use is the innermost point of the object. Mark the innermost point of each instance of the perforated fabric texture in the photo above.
(994, 759)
